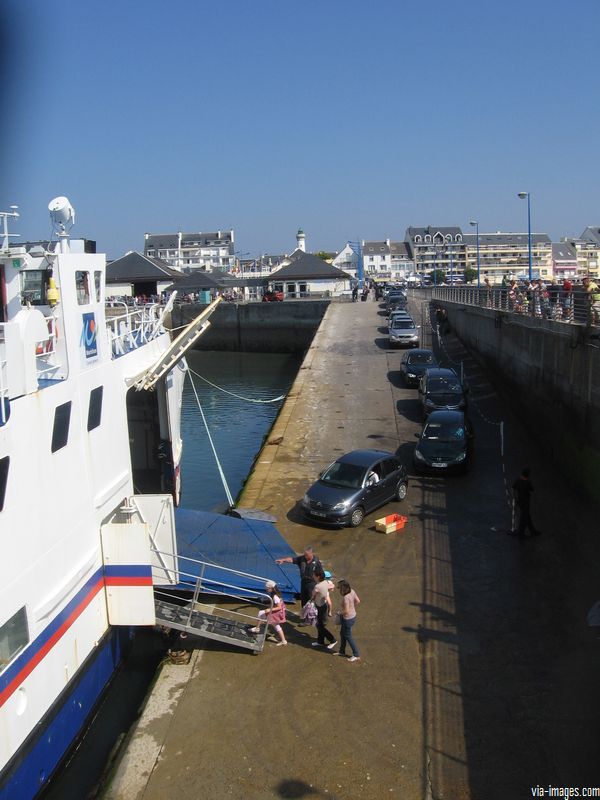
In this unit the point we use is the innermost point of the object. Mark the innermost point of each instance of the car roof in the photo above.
(441, 372)
(419, 351)
(363, 458)
(445, 415)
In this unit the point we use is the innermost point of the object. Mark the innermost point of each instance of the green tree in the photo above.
(470, 275)
(325, 256)
(437, 276)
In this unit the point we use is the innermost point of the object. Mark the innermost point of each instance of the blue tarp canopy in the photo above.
(246, 545)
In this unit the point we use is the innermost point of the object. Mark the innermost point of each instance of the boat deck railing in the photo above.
(46, 354)
(3, 379)
(133, 327)
(47, 364)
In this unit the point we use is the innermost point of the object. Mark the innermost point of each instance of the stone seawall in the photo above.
(286, 327)
(551, 371)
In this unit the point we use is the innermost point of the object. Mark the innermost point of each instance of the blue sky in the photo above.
(350, 119)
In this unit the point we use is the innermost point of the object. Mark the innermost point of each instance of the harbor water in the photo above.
(234, 393)
(237, 428)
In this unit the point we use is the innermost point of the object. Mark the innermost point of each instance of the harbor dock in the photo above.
(452, 697)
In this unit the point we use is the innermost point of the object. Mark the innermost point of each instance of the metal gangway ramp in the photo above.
(213, 608)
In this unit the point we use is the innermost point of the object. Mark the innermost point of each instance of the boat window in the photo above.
(60, 432)
(4, 462)
(33, 287)
(95, 408)
(98, 285)
(14, 636)
(82, 285)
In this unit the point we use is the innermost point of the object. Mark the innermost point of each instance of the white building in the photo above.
(347, 260)
(192, 251)
(386, 260)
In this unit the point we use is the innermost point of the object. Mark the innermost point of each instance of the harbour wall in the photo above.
(551, 372)
(286, 327)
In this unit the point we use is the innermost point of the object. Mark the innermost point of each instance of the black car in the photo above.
(414, 363)
(354, 485)
(441, 388)
(445, 443)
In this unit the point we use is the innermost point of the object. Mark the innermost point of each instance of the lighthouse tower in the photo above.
(301, 240)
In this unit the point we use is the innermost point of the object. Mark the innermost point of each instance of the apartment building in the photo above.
(588, 252)
(192, 251)
(504, 255)
(434, 248)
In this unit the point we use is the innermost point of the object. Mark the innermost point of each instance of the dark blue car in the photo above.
(445, 444)
(355, 485)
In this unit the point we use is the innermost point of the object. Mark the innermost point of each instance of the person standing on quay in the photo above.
(307, 563)
(322, 600)
(522, 489)
(349, 601)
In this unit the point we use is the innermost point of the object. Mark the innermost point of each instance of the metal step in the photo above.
(210, 626)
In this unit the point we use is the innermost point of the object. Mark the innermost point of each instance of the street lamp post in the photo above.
(527, 195)
(475, 223)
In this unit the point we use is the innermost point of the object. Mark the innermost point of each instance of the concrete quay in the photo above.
(464, 688)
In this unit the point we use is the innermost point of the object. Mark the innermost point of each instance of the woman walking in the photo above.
(276, 615)
(348, 602)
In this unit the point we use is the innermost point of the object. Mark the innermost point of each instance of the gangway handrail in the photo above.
(258, 578)
(200, 584)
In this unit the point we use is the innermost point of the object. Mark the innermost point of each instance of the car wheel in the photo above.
(357, 517)
(401, 490)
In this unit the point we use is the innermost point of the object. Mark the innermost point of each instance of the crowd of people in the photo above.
(565, 300)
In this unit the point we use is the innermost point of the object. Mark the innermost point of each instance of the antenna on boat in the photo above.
(4, 215)
(62, 215)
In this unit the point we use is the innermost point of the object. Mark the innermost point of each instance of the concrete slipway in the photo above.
(457, 692)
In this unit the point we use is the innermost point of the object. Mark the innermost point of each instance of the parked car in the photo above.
(354, 485)
(272, 297)
(415, 363)
(404, 333)
(395, 297)
(399, 314)
(441, 388)
(445, 443)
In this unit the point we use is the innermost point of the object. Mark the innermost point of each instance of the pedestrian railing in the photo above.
(570, 307)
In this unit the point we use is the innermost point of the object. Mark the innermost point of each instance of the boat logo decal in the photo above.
(88, 335)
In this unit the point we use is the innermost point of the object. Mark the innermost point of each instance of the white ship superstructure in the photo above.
(78, 438)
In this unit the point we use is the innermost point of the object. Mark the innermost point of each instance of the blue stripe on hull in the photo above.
(34, 764)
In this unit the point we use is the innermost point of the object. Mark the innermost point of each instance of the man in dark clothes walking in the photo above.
(522, 489)
(307, 563)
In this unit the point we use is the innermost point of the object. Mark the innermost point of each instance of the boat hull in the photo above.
(59, 730)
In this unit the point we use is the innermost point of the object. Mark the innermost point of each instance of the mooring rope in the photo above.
(219, 467)
(238, 396)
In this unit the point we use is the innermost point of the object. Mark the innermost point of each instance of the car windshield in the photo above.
(421, 358)
(444, 385)
(403, 323)
(344, 474)
(444, 432)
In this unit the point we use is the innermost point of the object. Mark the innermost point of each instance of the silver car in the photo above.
(404, 333)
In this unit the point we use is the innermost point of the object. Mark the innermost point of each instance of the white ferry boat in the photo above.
(90, 402)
